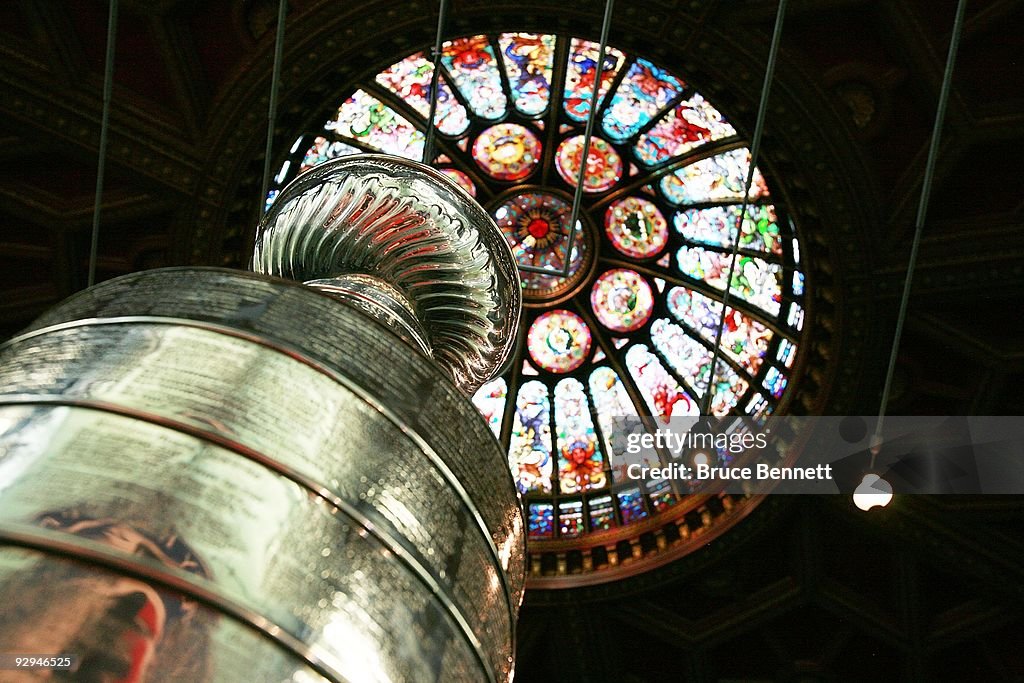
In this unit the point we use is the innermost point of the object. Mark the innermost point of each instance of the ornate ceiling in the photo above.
(926, 586)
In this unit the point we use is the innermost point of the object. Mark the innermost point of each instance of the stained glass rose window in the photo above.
(630, 329)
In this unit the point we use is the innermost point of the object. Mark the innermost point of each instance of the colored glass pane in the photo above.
(662, 496)
(580, 466)
(507, 151)
(610, 402)
(636, 227)
(474, 69)
(536, 226)
(798, 283)
(716, 179)
(697, 311)
(775, 382)
(541, 520)
(689, 125)
(753, 279)
(641, 94)
(323, 150)
(490, 401)
(729, 388)
(559, 341)
(365, 118)
(610, 397)
(461, 179)
(631, 504)
(796, 316)
(758, 406)
(570, 518)
(579, 80)
(602, 513)
(786, 352)
(529, 453)
(604, 167)
(410, 80)
(271, 196)
(685, 354)
(279, 178)
(692, 362)
(661, 392)
(743, 338)
(528, 61)
(622, 300)
(717, 225)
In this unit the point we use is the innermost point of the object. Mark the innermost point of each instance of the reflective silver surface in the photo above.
(329, 479)
(415, 229)
(228, 476)
(324, 436)
(261, 540)
(379, 300)
(402, 386)
(116, 623)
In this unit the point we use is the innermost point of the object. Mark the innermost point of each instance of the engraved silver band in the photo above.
(91, 552)
(297, 354)
(407, 555)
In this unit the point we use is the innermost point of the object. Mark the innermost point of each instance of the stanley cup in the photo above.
(216, 475)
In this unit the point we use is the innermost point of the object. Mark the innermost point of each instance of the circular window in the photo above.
(507, 151)
(536, 225)
(623, 320)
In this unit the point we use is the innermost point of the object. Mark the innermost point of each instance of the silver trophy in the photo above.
(229, 475)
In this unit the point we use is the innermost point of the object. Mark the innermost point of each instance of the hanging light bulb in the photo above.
(873, 491)
(701, 437)
(701, 456)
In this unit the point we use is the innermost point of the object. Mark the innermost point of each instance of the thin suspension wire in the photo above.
(922, 212)
(755, 148)
(588, 134)
(435, 77)
(108, 87)
(275, 84)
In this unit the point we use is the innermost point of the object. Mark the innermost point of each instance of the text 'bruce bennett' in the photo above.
(704, 472)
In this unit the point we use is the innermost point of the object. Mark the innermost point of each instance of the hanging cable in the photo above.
(755, 148)
(435, 77)
(108, 87)
(922, 211)
(275, 84)
(588, 134)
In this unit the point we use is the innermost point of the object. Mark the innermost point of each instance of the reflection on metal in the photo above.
(379, 300)
(414, 228)
(208, 474)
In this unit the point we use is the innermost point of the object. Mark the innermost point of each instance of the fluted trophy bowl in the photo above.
(450, 286)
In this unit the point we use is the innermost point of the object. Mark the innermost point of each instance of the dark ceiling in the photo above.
(803, 590)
